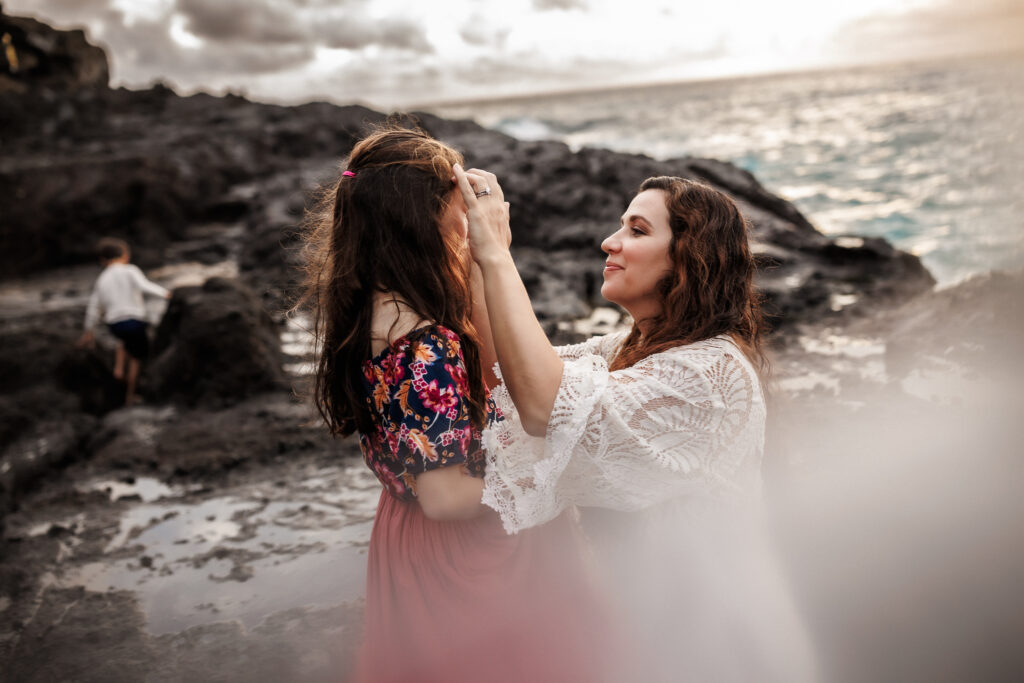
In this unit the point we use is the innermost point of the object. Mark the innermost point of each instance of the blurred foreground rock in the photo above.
(894, 468)
(978, 324)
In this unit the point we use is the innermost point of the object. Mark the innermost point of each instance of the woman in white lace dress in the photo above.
(655, 434)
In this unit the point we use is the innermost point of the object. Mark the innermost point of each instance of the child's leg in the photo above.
(119, 362)
(133, 374)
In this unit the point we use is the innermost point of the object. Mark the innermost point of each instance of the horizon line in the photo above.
(724, 78)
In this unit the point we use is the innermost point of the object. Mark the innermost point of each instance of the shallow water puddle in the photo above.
(147, 489)
(236, 556)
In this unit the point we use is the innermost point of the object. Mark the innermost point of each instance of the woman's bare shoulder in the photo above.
(392, 320)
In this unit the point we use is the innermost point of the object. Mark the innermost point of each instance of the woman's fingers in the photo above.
(491, 181)
(487, 214)
(475, 182)
(465, 186)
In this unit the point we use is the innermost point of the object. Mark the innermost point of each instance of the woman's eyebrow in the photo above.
(632, 217)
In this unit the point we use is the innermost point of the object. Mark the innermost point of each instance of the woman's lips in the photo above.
(611, 267)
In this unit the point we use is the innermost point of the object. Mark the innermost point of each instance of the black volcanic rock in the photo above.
(223, 181)
(215, 346)
(33, 351)
(34, 55)
(88, 375)
(150, 165)
(565, 203)
(143, 166)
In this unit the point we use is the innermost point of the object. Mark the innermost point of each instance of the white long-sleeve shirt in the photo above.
(117, 294)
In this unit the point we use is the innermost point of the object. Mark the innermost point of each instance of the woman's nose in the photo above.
(610, 245)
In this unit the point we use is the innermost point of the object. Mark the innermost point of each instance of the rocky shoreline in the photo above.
(210, 192)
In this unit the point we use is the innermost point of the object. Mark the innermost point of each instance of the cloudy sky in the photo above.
(391, 53)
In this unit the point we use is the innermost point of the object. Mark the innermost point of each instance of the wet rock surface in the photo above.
(216, 531)
(255, 578)
(230, 541)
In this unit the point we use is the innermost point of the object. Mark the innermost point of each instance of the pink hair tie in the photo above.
(350, 174)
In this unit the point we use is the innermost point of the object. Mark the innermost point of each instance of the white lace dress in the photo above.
(663, 460)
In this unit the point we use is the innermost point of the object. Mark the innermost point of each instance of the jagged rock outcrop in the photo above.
(565, 203)
(149, 166)
(36, 56)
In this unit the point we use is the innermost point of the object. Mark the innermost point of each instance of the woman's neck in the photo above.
(644, 327)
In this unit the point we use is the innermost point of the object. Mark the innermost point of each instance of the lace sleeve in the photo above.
(688, 421)
(604, 345)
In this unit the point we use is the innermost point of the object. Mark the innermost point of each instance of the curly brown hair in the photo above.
(710, 289)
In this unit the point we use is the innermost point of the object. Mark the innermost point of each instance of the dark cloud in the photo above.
(240, 39)
(298, 22)
(542, 5)
(74, 5)
(243, 21)
(354, 34)
(146, 50)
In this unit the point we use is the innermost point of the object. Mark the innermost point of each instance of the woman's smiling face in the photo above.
(638, 256)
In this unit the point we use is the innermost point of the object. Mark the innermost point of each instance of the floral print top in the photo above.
(416, 390)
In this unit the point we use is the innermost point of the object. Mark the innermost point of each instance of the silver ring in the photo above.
(483, 193)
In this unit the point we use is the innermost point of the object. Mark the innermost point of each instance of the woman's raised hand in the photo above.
(486, 211)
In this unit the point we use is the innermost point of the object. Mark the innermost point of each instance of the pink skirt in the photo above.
(464, 601)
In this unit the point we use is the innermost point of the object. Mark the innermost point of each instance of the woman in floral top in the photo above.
(449, 595)
(415, 386)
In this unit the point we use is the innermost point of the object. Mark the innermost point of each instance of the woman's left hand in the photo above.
(487, 213)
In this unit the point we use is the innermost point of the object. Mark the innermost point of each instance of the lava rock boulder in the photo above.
(214, 347)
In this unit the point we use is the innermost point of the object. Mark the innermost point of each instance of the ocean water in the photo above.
(928, 155)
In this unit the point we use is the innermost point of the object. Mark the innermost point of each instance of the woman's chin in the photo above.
(608, 292)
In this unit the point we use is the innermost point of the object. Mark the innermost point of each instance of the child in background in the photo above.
(117, 294)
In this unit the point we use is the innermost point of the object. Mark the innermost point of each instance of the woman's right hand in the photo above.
(489, 232)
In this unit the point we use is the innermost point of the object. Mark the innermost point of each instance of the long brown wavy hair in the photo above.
(710, 289)
(378, 230)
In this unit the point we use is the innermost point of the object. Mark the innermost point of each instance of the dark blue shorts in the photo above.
(132, 334)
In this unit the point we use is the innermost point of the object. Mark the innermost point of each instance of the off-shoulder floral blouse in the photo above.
(417, 390)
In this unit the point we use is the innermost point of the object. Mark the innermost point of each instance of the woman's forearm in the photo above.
(530, 367)
(488, 357)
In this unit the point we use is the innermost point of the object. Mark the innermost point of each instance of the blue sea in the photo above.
(928, 155)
